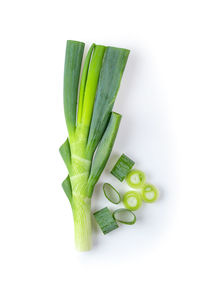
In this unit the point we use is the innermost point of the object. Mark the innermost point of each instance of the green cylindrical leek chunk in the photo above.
(132, 200)
(105, 220)
(122, 167)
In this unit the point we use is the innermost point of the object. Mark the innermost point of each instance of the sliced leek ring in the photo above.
(136, 178)
(149, 193)
(132, 200)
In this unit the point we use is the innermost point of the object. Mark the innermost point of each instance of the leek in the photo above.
(149, 193)
(122, 167)
(132, 200)
(92, 126)
(124, 216)
(105, 220)
(111, 193)
(136, 178)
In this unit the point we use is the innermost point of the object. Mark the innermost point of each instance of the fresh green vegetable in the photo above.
(67, 188)
(111, 193)
(149, 193)
(124, 216)
(92, 126)
(136, 178)
(105, 220)
(132, 200)
(122, 167)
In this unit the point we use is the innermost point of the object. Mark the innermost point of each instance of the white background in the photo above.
(159, 99)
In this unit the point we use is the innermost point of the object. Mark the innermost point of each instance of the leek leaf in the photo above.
(73, 59)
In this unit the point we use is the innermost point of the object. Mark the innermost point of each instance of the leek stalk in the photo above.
(92, 126)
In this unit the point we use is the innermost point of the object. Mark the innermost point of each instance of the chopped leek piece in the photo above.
(111, 193)
(122, 167)
(132, 200)
(149, 193)
(136, 178)
(105, 220)
(124, 216)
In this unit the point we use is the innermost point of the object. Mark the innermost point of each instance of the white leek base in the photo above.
(82, 223)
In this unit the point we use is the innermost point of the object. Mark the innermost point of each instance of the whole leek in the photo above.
(92, 126)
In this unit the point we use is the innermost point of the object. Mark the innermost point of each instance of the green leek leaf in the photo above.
(110, 76)
(73, 59)
(91, 84)
(66, 154)
(83, 82)
(103, 151)
(67, 188)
